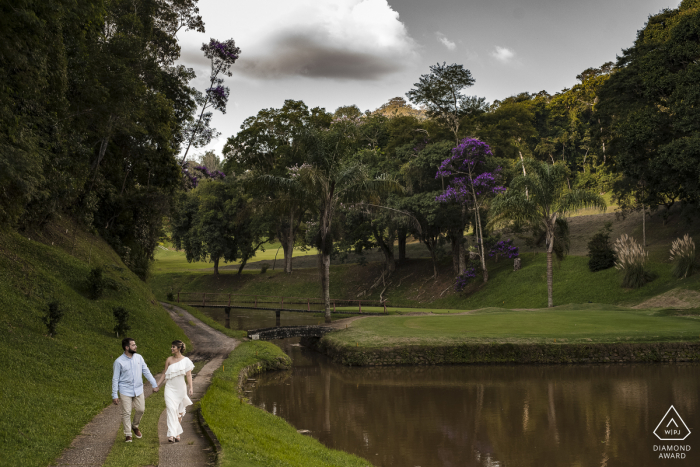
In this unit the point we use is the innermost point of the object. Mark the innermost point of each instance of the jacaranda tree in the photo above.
(471, 184)
(542, 197)
(222, 55)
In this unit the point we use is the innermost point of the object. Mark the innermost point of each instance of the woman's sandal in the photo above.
(177, 439)
(170, 439)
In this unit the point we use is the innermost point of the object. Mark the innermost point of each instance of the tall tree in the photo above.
(440, 91)
(547, 202)
(472, 184)
(222, 56)
(216, 222)
(330, 178)
(271, 144)
(652, 104)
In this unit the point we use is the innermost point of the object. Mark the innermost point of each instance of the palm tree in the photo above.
(330, 180)
(542, 197)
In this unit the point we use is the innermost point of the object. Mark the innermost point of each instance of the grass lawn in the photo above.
(593, 323)
(53, 386)
(252, 437)
(167, 260)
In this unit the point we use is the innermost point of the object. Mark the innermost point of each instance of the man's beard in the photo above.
(131, 352)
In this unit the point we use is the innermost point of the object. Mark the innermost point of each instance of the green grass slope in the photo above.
(51, 387)
(412, 283)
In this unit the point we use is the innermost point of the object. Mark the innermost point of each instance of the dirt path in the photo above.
(194, 450)
(92, 445)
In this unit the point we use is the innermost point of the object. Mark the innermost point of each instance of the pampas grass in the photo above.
(683, 256)
(631, 259)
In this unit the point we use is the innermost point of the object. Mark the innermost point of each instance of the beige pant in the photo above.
(138, 405)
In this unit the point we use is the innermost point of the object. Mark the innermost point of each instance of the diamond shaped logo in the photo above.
(672, 427)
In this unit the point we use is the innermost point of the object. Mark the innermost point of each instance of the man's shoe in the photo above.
(137, 432)
(128, 439)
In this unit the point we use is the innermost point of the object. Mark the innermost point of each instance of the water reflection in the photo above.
(505, 416)
(484, 415)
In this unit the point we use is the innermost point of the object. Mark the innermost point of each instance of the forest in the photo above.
(100, 124)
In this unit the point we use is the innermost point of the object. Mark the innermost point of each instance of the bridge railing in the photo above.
(274, 301)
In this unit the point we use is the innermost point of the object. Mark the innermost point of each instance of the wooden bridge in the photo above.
(277, 303)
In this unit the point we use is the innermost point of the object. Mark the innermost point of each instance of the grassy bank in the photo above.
(53, 386)
(591, 323)
(250, 436)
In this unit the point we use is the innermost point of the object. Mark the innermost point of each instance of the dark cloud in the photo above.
(312, 56)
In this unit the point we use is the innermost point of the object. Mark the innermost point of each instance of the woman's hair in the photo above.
(180, 345)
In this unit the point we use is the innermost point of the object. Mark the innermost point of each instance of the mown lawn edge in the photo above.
(505, 353)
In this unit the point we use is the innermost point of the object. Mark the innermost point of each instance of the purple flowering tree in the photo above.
(471, 184)
(222, 55)
(193, 174)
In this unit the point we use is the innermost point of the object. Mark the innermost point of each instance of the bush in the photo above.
(122, 317)
(631, 258)
(683, 257)
(263, 268)
(53, 317)
(504, 248)
(462, 280)
(96, 283)
(600, 252)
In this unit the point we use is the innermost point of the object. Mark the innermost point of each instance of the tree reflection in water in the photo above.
(583, 415)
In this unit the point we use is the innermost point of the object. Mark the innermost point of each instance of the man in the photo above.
(127, 379)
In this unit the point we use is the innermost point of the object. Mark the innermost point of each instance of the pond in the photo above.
(485, 415)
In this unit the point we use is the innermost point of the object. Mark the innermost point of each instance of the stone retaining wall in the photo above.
(507, 353)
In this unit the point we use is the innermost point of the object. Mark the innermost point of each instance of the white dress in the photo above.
(176, 399)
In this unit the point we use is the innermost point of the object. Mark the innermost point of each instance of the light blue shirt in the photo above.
(127, 377)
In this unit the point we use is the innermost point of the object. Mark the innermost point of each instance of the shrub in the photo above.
(461, 281)
(53, 317)
(683, 256)
(263, 268)
(504, 248)
(631, 258)
(600, 252)
(96, 283)
(122, 317)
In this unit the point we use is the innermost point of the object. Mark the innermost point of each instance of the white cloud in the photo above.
(445, 41)
(503, 54)
(340, 39)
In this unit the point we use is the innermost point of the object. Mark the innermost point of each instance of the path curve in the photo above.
(209, 344)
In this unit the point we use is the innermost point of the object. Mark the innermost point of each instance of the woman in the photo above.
(177, 368)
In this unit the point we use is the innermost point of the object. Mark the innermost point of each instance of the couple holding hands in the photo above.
(128, 382)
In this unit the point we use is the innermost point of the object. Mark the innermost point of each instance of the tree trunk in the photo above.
(243, 263)
(456, 242)
(550, 271)
(216, 266)
(386, 245)
(289, 249)
(325, 271)
(644, 226)
(481, 246)
(402, 244)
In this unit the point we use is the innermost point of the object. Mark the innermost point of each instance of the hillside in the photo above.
(52, 386)
(412, 283)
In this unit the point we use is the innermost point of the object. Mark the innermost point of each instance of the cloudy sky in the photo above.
(330, 53)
